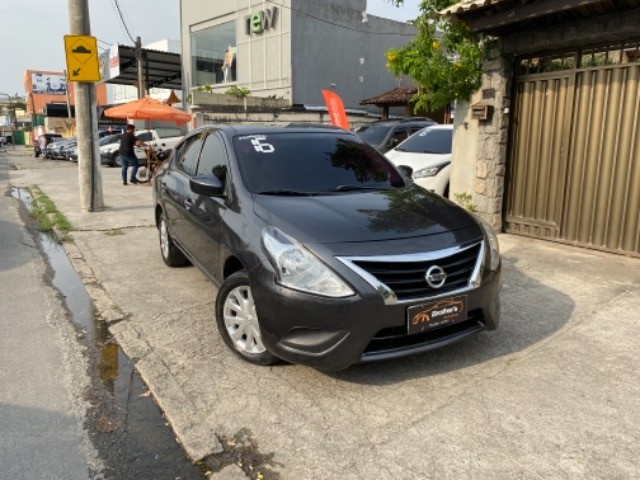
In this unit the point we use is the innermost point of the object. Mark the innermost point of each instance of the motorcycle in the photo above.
(155, 158)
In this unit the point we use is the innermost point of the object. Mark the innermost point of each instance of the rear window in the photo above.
(428, 140)
(312, 163)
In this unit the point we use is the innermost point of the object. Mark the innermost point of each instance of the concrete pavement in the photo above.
(554, 393)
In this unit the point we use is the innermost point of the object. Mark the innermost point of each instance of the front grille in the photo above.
(396, 338)
(407, 279)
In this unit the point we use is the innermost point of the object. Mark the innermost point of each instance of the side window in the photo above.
(213, 159)
(400, 134)
(188, 155)
(144, 137)
(415, 129)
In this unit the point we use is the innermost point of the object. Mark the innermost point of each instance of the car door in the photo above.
(177, 193)
(206, 214)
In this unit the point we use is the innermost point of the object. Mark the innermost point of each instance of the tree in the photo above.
(444, 59)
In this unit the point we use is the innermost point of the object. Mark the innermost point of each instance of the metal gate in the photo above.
(574, 165)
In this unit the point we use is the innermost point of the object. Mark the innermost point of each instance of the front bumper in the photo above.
(332, 334)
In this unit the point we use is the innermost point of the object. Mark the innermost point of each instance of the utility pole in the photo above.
(141, 82)
(89, 172)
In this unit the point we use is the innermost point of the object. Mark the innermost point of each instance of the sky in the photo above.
(32, 33)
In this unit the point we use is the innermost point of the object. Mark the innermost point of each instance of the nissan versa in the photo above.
(324, 252)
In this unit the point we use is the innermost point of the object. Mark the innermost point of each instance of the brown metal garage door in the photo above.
(574, 166)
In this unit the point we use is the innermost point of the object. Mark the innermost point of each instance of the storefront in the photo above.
(288, 50)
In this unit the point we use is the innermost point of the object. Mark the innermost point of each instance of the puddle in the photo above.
(125, 424)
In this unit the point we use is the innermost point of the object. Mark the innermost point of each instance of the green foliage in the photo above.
(238, 92)
(465, 200)
(446, 66)
(47, 216)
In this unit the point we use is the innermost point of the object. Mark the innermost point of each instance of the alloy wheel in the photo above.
(164, 239)
(241, 320)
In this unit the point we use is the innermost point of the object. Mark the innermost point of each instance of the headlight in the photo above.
(430, 171)
(299, 269)
(492, 244)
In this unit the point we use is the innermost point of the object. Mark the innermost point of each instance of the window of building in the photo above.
(213, 55)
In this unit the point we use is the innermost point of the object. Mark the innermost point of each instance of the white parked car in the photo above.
(165, 138)
(428, 153)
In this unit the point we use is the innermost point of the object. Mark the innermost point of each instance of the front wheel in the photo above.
(117, 161)
(171, 255)
(238, 321)
(143, 175)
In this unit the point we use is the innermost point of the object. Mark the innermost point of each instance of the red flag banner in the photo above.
(336, 109)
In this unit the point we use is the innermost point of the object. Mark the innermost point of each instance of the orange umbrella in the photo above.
(148, 109)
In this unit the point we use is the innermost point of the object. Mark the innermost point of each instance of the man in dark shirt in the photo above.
(128, 155)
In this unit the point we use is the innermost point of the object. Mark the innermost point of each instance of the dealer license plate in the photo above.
(440, 313)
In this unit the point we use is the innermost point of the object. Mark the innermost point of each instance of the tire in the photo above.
(143, 175)
(113, 162)
(171, 254)
(117, 160)
(237, 321)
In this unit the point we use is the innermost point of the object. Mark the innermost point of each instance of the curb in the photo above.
(187, 423)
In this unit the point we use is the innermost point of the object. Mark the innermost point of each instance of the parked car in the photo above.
(428, 153)
(324, 252)
(68, 148)
(42, 141)
(72, 153)
(165, 138)
(108, 147)
(386, 135)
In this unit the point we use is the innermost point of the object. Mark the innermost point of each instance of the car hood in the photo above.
(362, 216)
(417, 161)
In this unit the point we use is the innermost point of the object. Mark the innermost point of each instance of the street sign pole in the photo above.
(82, 67)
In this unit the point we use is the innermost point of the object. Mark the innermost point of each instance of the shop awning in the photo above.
(161, 69)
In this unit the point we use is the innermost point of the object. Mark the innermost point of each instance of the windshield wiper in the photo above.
(291, 193)
(350, 188)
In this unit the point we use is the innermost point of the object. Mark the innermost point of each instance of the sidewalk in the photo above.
(553, 393)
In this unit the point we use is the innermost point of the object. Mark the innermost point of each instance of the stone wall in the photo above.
(491, 135)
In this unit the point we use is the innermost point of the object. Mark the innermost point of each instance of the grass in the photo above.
(47, 216)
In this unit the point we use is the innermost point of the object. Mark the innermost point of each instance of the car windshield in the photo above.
(311, 163)
(374, 134)
(428, 140)
(109, 139)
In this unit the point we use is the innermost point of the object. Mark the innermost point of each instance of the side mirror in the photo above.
(406, 170)
(393, 142)
(206, 185)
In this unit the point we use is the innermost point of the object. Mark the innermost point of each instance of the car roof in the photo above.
(238, 130)
(403, 121)
(447, 126)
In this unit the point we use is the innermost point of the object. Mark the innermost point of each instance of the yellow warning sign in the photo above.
(82, 58)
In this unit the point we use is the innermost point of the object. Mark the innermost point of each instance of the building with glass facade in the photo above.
(289, 49)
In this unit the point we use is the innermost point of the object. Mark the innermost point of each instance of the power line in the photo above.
(124, 24)
(324, 20)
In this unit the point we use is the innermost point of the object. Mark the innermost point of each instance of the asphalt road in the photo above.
(553, 393)
(43, 371)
